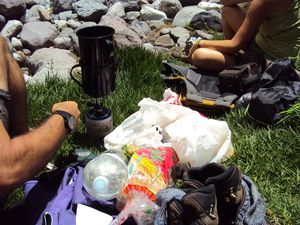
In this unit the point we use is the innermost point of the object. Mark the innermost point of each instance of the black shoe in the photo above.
(228, 187)
(200, 206)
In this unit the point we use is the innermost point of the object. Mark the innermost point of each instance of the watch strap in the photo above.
(66, 117)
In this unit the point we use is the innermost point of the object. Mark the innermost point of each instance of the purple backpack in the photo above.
(53, 200)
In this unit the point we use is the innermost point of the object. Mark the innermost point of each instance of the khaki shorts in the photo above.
(4, 117)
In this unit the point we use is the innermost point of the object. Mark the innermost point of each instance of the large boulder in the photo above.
(116, 9)
(51, 62)
(36, 35)
(149, 13)
(207, 19)
(62, 5)
(124, 36)
(170, 7)
(185, 15)
(91, 10)
(12, 28)
(12, 9)
(141, 27)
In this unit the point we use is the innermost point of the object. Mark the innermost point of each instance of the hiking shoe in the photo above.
(200, 206)
(227, 183)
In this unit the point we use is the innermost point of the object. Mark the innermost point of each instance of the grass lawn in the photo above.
(269, 155)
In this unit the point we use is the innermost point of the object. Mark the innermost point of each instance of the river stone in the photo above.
(185, 15)
(116, 9)
(141, 27)
(207, 19)
(62, 42)
(133, 15)
(16, 43)
(91, 10)
(202, 34)
(38, 34)
(44, 15)
(12, 9)
(73, 24)
(124, 36)
(51, 62)
(179, 32)
(165, 41)
(12, 28)
(2, 22)
(170, 7)
(148, 13)
(67, 15)
(33, 13)
(62, 5)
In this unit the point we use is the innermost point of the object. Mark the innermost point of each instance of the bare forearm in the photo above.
(28, 154)
(224, 46)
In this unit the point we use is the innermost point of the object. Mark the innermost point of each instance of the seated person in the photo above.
(24, 153)
(269, 28)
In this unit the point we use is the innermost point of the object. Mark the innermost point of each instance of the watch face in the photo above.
(72, 123)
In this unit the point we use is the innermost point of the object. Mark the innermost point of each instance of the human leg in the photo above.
(211, 60)
(232, 19)
(17, 106)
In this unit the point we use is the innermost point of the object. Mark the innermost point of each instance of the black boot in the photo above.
(228, 187)
(200, 206)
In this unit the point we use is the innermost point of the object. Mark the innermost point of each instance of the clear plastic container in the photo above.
(105, 176)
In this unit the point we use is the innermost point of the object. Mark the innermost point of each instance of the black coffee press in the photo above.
(97, 62)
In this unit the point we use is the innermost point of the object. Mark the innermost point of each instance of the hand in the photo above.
(70, 107)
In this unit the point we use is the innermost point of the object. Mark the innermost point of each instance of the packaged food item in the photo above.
(149, 170)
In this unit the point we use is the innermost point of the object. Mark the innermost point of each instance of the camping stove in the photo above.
(98, 121)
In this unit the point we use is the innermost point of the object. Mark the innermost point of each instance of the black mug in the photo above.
(97, 60)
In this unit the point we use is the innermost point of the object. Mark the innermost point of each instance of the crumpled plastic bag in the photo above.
(196, 139)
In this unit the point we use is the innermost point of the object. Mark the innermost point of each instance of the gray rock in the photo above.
(2, 22)
(38, 34)
(131, 5)
(60, 24)
(12, 9)
(202, 34)
(116, 9)
(170, 7)
(206, 20)
(45, 3)
(62, 42)
(148, 13)
(44, 15)
(209, 5)
(16, 43)
(26, 51)
(73, 24)
(51, 62)
(30, 3)
(124, 36)
(149, 47)
(12, 28)
(33, 13)
(179, 32)
(181, 42)
(66, 32)
(133, 15)
(62, 5)
(67, 15)
(185, 15)
(141, 27)
(165, 30)
(165, 41)
(155, 24)
(91, 10)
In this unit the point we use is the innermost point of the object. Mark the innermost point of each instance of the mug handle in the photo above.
(71, 74)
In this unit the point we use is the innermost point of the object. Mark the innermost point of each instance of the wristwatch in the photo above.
(70, 121)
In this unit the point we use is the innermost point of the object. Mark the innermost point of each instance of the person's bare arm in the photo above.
(24, 156)
(254, 18)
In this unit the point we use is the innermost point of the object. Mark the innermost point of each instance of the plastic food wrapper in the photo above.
(140, 207)
(149, 169)
(196, 139)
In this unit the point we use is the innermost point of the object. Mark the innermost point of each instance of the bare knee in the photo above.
(200, 57)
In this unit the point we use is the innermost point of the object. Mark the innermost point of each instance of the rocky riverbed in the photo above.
(42, 33)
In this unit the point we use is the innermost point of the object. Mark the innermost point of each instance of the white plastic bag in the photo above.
(196, 139)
